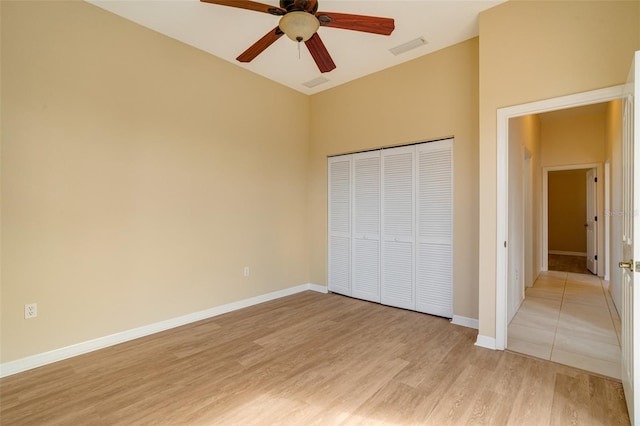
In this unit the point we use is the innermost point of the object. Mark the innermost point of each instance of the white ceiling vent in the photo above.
(405, 47)
(315, 82)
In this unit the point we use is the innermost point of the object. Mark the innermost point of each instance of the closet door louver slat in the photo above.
(340, 225)
(397, 287)
(366, 226)
(434, 251)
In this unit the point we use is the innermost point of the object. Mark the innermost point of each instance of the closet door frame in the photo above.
(343, 244)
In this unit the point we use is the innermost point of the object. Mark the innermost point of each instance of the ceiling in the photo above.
(226, 32)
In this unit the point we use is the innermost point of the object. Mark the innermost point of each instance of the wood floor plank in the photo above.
(533, 399)
(603, 389)
(489, 408)
(571, 406)
(310, 359)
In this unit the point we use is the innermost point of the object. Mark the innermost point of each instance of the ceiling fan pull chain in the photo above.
(298, 50)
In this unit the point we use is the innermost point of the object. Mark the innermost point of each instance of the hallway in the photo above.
(570, 319)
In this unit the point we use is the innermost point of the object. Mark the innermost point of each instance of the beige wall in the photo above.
(567, 210)
(532, 51)
(139, 176)
(431, 97)
(573, 139)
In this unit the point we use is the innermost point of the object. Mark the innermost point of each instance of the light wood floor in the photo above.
(310, 359)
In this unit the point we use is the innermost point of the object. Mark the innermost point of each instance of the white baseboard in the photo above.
(464, 321)
(38, 360)
(486, 342)
(568, 253)
(318, 288)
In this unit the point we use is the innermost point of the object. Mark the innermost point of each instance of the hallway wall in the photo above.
(573, 136)
(524, 141)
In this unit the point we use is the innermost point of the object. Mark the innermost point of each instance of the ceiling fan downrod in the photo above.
(309, 6)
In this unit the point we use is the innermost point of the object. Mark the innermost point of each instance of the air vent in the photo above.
(405, 47)
(315, 82)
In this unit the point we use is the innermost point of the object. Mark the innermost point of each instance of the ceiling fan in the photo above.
(300, 20)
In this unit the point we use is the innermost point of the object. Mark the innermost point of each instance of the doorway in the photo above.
(567, 316)
(569, 235)
(502, 191)
(571, 207)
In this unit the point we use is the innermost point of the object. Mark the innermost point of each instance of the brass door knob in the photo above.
(626, 265)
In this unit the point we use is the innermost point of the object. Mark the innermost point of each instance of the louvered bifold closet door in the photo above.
(340, 224)
(397, 288)
(434, 222)
(366, 226)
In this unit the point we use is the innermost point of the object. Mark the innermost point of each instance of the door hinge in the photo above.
(596, 258)
(505, 244)
(596, 218)
(595, 179)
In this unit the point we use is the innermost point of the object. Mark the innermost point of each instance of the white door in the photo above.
(434, 224)
(591, 225)
(630, 233)
(398, 198)
(365, 278)
(339, 280)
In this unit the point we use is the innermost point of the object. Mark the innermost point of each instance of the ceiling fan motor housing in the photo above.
(310, 6)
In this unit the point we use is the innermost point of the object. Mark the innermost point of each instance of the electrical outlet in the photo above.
(30, 310)
(246, 271)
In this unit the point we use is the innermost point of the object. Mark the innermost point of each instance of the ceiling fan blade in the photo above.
(259, 46)
(346, 21)
(320, 54)
(250, 5)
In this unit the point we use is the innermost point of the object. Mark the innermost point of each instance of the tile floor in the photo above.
(570, 319)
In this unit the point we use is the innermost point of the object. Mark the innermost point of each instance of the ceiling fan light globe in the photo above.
(299, 26)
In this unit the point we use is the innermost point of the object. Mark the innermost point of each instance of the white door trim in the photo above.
(502, 202)
(544, 261)
(607, 221)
